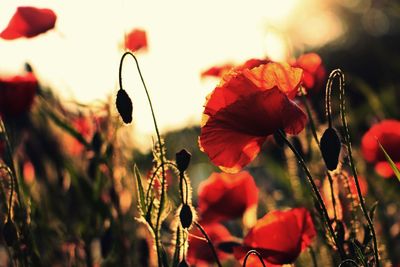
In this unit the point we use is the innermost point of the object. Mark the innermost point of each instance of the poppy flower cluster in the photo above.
(279, 236)
(136, 40)
(251, 103)
(29, 22)
(387, 132)
(17, 94)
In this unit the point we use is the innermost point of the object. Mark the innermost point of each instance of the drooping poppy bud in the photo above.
(10, 233)
(182, 160)
(124, 106)
(330, 148)
(186, 216)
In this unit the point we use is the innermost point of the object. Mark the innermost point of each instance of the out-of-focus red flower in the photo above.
(279, 236)
(226, 196)
(217, 71)
(86, 127)
(387, 132)
(17, 94)
(136, 40)
(29, 22)
(199, 253)
(314, 71)
(247, 107)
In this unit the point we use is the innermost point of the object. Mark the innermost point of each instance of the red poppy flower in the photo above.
(387, 132)
(248, 106)
(199, 252)
(279, 236)
(17, 94)
(314, 71)
(226, 196)
(136, 40)
(217, 71)
(29, 22)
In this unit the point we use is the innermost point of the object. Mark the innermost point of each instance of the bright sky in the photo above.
(80, 58)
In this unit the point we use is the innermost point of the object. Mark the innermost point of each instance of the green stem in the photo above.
(316, 193)
(314, 133)
(158, 222)
(255, 252)
(7, 169)
(313, 258)
(339, 73)
(209, 243)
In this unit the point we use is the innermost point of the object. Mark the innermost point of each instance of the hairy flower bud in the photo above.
(330, 148)
(183, 159)
(124, 106)
(186, 216)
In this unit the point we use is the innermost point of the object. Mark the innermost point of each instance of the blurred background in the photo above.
(79, 59)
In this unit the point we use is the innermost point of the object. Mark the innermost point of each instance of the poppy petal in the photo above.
(29, 22)
(233, 136)
(283, 76)
(136, 40)
(226, 196)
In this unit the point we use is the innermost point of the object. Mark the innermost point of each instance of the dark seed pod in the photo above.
(10, 233)
(183, 263)
(330, 148)
(124, 106)
(186, 216)
(183, 159)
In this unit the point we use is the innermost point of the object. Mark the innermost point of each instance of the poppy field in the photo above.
(292, 162)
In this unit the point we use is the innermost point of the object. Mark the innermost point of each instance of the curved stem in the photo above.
(255, 252)
(339, 73)
(209, 243)
(328, 92)
(316, 192)
(157, 238)
(347, 261)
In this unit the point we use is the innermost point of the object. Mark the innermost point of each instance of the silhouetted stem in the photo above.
(314, 133)
(209, 243)
(7, 169)
(313, 258)
(339, 73)
(157, 232)
(316, 192)
(255, 252)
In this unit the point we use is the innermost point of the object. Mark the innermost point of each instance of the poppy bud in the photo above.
(330, 148)
(183, 263)
(10, 233)
(124, 106)
(186, 216)
(183, 159)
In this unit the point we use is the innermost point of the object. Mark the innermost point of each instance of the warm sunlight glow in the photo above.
(80, 57)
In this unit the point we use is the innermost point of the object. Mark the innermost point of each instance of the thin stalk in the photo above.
(339, 73)
(328, 93)
(348, 261)
(255, 252)
(312, 255)
(209, 243)
(316, 193)
(12, 190)
(157, 232)
(314, 133)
